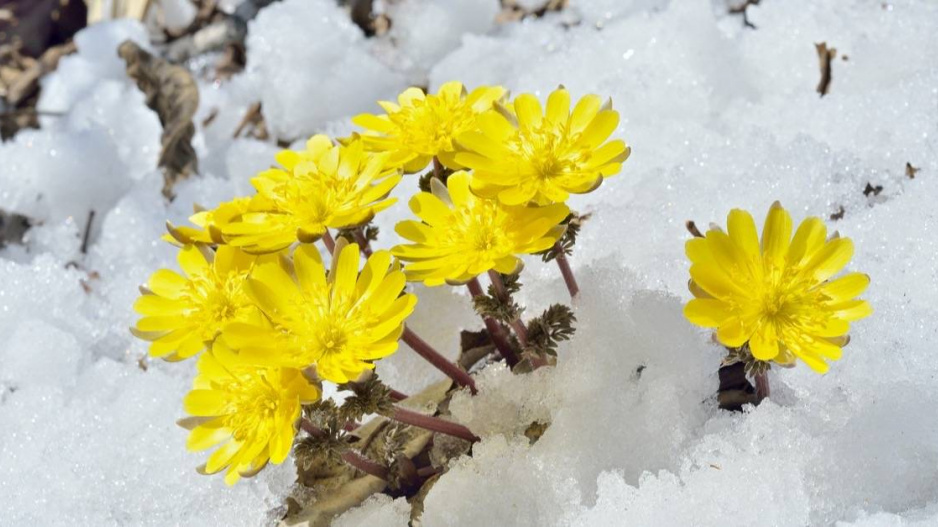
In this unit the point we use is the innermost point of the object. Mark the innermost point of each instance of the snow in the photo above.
(718, 116)
(313, 40)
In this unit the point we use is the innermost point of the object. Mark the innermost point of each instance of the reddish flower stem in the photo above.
(328, 241)
(516, 324)
(441, 363)
(426, 472)
(437, 169)
(362, 241)
(434, 424)
(397, 396)
(495, 330)
(566, 271)
(352, 458)
(762, 385)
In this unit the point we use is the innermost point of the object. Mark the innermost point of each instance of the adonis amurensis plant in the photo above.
(775, 300)
(280, 293)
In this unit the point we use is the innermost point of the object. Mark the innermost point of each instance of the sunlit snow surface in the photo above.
(718, 115)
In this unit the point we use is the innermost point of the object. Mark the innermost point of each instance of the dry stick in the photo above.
(352, 458)
(87, 235)
(762, 385)
(505, 298)
(496, 333)
(434, 424)
(441, 363)
(566, 271)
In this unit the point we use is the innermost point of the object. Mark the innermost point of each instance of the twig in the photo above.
(825, 56)
(87, 235)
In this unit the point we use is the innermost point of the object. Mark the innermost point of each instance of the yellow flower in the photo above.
(463, 235)
(422, 126)
(521, 154)
(340, 323)
(184, 314)
(325, 186)
(778, 296)
(248, 411)
(209, 222)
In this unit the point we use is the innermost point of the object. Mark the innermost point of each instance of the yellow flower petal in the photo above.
(764, 342)
(708, 313)
(776, 235)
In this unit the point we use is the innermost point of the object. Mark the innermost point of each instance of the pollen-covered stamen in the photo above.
(252, 405)
(430, 127)
(215, 301)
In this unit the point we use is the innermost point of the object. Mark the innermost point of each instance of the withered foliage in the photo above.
(172, 93)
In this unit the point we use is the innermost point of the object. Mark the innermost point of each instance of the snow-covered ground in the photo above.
(718, 115)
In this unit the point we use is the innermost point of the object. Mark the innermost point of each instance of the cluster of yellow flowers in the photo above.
(272, 322)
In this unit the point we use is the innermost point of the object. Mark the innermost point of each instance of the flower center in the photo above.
(547, 150)
(252, 405)
(429, 126)
(216, 301)
(478, 232)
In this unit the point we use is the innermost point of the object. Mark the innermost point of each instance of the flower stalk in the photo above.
(434, 424)
(329, 241)
(520, 331)
(495, 330)
(362, 241)
(561, 256)
(440, 362)
(349, 456)
(762, 385)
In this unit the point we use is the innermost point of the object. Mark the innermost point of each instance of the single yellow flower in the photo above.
(340, 323)
(520, 154)
(183, 314)
(248, 411)
(462, 235)
(209, 223)
(778, 296)
(325, 186)
(422, 126)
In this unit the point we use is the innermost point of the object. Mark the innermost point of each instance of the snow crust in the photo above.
(718, 115)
